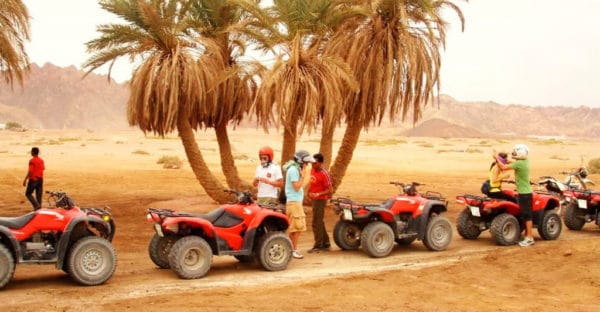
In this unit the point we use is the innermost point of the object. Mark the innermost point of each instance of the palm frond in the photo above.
(14, 32)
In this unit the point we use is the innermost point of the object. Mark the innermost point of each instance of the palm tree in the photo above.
(396, 52)
(305, 87)
(170, 88)
(225, 21)
(14, 31)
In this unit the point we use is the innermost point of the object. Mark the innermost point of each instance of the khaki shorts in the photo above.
(295, 212)
(267, 201)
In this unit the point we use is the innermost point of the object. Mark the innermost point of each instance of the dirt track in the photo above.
(561, 275)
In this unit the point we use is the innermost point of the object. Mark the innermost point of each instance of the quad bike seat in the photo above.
(17, 222)
(211, 216)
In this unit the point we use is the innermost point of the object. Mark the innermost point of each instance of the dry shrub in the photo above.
(594, 165)
(170, 162)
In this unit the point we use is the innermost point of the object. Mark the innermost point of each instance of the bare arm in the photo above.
(304, 171)
(298, 184)
(501, 165)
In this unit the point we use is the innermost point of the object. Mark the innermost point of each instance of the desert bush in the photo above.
(384, 142)
(551, 141)
(67, 139)
(170, 162)
(594, 165)
(241, 157)
(449, 151)
(13, 125)
(140, 152)
(557, 157)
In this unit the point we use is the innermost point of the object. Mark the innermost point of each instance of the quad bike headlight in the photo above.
(106, 218)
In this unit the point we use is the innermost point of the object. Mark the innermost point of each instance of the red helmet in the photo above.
(266, 150)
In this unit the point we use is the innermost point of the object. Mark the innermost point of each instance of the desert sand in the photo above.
(120, 170)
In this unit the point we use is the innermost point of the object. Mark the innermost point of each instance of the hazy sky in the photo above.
(532, 52)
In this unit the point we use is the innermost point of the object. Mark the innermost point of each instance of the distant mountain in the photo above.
(492, 119)
(55, 98)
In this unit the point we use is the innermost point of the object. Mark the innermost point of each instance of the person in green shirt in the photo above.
(525, 198)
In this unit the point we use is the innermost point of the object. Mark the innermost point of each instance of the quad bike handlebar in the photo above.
(61, 199)
(407, 188)
(241, 197)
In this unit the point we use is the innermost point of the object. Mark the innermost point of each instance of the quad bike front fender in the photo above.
(81, 227)
(269, 221)
(272, 219)
(545, 202)
(9, 240)
(432, 206)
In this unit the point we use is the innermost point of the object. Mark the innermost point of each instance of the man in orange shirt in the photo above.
(319, 192)
(34, 180)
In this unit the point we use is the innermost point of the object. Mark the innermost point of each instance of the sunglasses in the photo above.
(264, 157)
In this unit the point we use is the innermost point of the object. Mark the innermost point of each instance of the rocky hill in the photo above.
(493, 119)
(56, 98)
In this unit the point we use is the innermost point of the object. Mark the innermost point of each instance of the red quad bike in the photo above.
(77, 240)
(402, 218)
(582, 206)
(186, 242)
(576, 180)
(503, 218)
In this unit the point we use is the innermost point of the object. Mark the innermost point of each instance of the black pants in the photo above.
(318, 226)
(526, 205)
(37, 186)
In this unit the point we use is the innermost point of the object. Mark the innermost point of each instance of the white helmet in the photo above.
(303, 157)
(520, 151)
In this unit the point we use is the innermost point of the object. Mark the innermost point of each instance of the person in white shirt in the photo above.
(268, 178)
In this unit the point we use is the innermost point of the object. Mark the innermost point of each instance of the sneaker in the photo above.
(297, 255)
(525, 242)
(314, 250)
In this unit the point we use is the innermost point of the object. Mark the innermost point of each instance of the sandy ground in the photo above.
(119, 169)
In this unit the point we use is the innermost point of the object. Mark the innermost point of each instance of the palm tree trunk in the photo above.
(289, 142)
(326, 145)
(345, 152)
(209, 182)
(227, 162)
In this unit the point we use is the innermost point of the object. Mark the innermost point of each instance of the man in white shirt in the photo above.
(268, 178)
